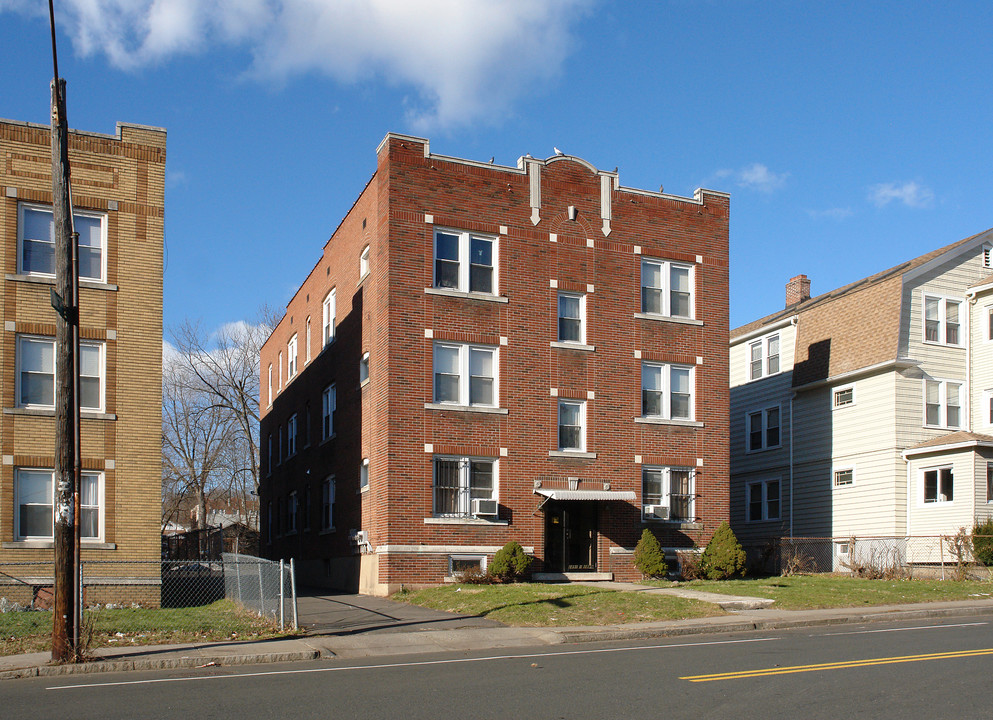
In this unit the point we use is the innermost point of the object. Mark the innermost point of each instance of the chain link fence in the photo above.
(944, 557)
(239, 597)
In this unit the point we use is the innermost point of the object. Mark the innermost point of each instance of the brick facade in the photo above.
(556, 225)
(120, 180)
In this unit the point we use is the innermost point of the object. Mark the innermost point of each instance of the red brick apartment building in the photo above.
(485, 354)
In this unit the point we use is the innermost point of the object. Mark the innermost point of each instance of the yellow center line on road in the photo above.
(836, 665)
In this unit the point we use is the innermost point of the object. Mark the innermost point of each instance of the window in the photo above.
(328, 311)
(844, 477)
(291, 513)
(269, 385)
(572, 425)
(666, 288)
(989, 324)
(279, 438)
(989, 482)
(667, 493)
(305, 509)
(364, 368)
(280, 369)
(465, 374)
(307, 340)
(763, 357)
(938, 485)
(762, 432)
(306, 424)
(291, 358)
(464, 261)
(666, 391)
(762, 500)
(36, 373)
(36, 242)
(364, 262)
(327, 504)
(269, 456)
(329, 403)
(941, 320)
(459, 565)
(572, 318)
(460, 480)
(844, 396)
(942, 403)
(291, 436)
(987, 408)
(364, 474)
(35, 499)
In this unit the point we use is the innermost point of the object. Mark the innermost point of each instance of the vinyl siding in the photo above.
(947, 517)
(982, 364)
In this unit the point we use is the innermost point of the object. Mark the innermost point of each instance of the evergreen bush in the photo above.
(723, 557)
(510, 562)
(982, 547)
(648, 556)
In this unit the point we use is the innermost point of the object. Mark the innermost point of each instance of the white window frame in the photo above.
(307, 340)
(270, 385)
(581, 404)
(50, 341)
(464, 498)
(101, 501)
(364, 474)
(770, 363)
(989, 323)
(327, 503)
(665, 392)
(762, 486)
(364, 262)
(987, 408)
(452, 559)
(665, 290)
(839, 472)
(280, 370)
(987, 255)
(943, 404)
(329, 309)
(581, 340)
(465, 351)
(77, 213)
(763, 419)
(835, 405)
(943, 326)
(291, 436)
(291, 358)
(989, 482)
(940, 497)
(464, 261)
(329, 403)
(667, 497)
(364, 368)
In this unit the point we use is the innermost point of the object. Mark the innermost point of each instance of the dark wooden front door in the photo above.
(571, 536)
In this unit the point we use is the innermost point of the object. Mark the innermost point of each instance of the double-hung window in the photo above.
(938, 485)
(328, 312)
(329, 403)
(465, 374)
(36, 373)
(291, 436)
(667, 288)
(942, 323)
(666, 391)
(942, 403)
(762, 432)
(364, 474)
(572, 317)
(327, 503)
(291, 358)
(36, 242)
(987, 408)
(763, 357)
(762, 500)
(464, 261)
(292, 509)
(460, 480)
(572, 425)
(364, 262)
(668, 493)
(34, 491)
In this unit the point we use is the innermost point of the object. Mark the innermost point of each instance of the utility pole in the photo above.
(64, 300)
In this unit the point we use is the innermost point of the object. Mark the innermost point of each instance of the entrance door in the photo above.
(571, 536)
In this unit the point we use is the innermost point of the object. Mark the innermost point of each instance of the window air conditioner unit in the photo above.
(659, 512)
(359, 537)
(481, 506)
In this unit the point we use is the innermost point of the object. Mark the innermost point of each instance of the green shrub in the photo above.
(510, 562)
(648, 557)
(723, 557)
(982, 547)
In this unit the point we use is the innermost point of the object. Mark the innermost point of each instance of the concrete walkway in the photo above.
(725, 602)
(402, 633)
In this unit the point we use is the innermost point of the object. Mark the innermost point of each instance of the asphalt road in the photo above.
(932, 670)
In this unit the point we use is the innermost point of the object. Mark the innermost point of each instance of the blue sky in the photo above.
(851, 136)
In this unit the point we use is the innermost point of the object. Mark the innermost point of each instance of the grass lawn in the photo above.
(539, 605)
(22, 632)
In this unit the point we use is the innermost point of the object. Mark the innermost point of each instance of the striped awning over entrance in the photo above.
(556, 494)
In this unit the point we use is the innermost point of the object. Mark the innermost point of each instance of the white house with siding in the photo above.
(868, 411)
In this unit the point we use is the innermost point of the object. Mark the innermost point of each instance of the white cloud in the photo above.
(754, 177)
(911, 194)
(466, 59)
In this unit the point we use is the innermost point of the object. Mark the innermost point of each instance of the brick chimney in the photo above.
(797, 290)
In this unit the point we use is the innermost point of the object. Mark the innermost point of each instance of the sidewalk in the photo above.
(407, 639)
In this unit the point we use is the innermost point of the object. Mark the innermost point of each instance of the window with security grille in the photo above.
(671, 488)
(460, 480)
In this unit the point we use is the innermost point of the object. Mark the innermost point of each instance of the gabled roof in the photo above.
(853, 327)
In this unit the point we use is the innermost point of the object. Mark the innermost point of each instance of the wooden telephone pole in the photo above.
(65, 300)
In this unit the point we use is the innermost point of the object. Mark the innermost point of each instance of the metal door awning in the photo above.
(555, 494)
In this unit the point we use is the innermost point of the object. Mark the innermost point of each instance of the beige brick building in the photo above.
(118, 197)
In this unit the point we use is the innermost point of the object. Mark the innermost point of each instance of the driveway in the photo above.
(321, 612)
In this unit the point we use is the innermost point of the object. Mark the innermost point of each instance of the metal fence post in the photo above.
(293, 590)
(261, 590)
(282, 594)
